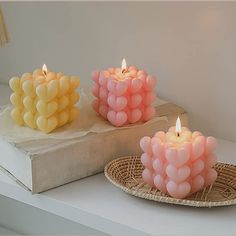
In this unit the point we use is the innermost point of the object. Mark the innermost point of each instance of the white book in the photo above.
(40, 161)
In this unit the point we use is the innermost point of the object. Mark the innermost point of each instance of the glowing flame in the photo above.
(178, 126)
(44, 69)
(123, 65)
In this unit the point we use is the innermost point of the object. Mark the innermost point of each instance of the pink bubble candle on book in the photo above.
(179, 162)
(124, 95)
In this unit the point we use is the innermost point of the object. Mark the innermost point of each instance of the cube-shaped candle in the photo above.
(178, 162)
(44, 99)
(124, 95)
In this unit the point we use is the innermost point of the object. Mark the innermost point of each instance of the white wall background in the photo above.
(190, 47)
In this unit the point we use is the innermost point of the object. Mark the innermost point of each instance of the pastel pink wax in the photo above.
(178, 165)
(124, 96)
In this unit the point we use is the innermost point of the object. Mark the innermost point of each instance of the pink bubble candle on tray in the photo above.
(124, 95)
(179, 162)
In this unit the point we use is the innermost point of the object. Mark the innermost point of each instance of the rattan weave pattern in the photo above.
(125, 173)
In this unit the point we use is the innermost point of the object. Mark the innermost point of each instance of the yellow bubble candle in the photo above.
(44, 99)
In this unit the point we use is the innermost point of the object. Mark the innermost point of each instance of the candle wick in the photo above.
(178, 134)
(124, 71)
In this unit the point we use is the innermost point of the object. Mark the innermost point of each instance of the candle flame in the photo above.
(178, 126)
(123, 65)
(44, 69)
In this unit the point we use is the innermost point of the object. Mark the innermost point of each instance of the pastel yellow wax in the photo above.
(44, 101)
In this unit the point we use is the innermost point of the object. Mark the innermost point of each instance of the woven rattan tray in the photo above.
(125, 173)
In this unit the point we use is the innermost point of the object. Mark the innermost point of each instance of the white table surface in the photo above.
(96, 203)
